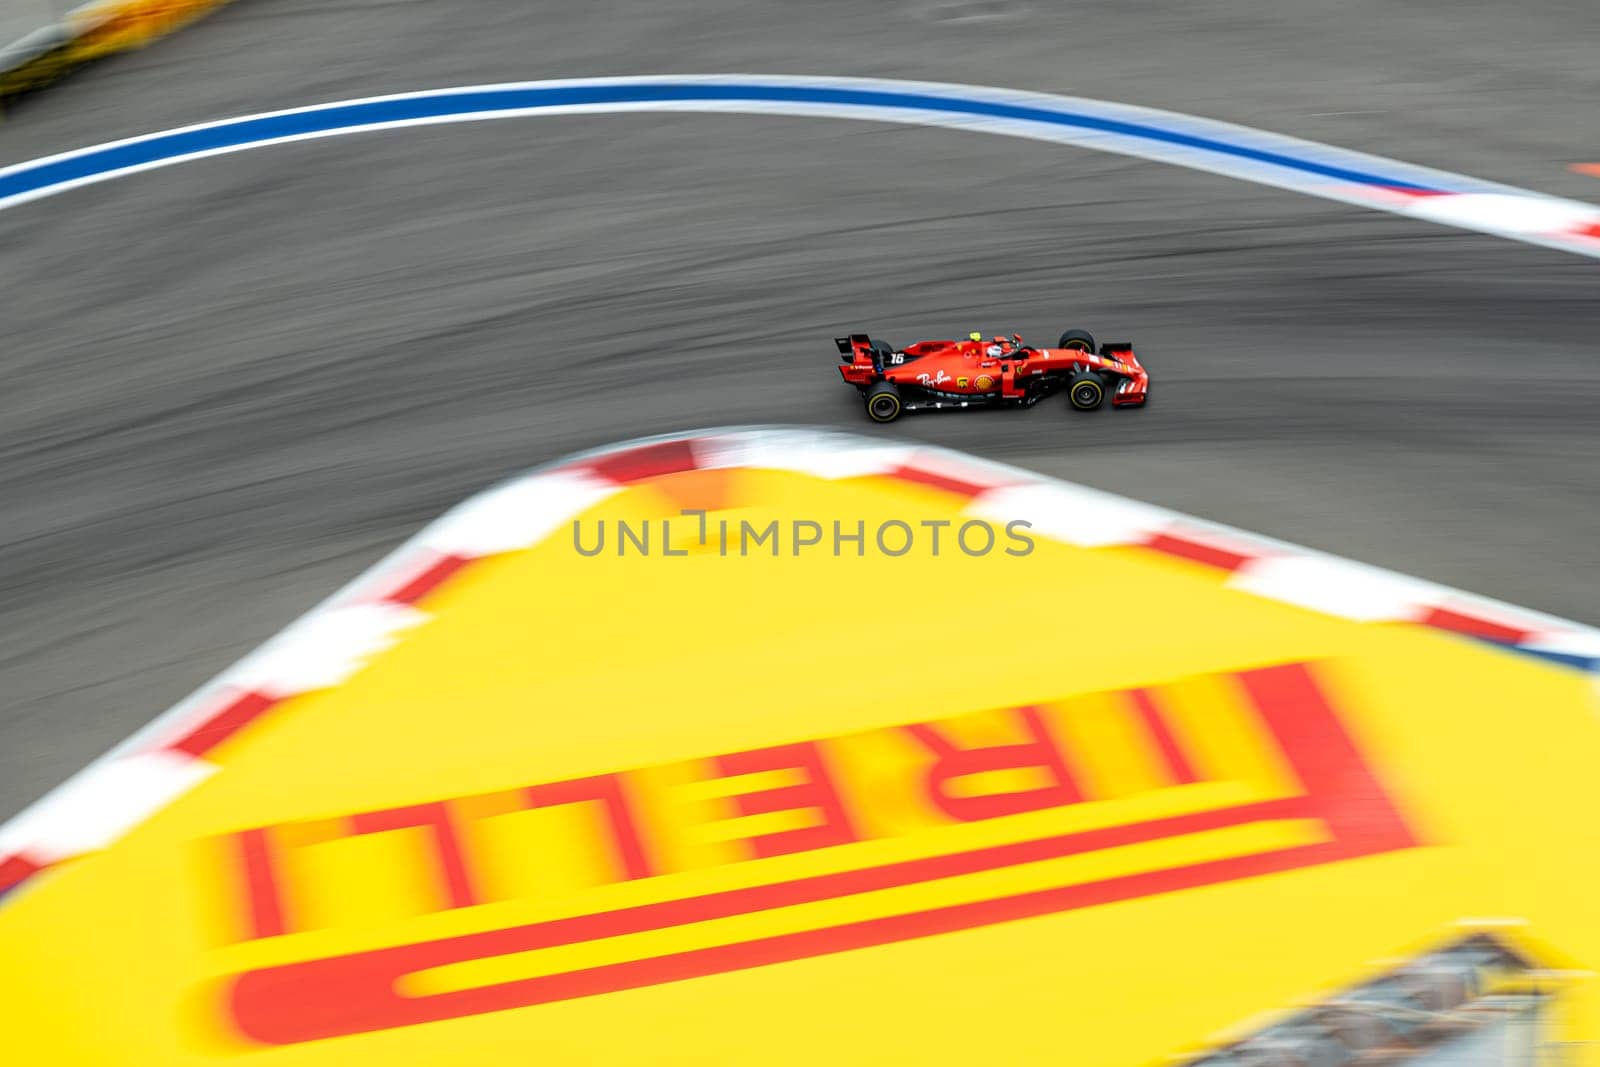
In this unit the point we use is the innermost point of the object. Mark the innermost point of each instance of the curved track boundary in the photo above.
(168, 757)
(1182, 140)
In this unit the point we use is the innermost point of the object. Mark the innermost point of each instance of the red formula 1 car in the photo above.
(978, 373)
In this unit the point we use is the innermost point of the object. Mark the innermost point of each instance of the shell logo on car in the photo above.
(635, 806)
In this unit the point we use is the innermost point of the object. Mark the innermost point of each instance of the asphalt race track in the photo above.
(230, 385)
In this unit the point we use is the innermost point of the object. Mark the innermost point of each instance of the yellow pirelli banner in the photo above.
(779, 746)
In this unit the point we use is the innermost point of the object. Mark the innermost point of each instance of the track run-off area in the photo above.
(382, 827)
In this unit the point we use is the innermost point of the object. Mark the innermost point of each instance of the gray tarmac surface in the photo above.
(231, 385)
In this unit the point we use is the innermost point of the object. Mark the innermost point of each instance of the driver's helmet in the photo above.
(975, 335)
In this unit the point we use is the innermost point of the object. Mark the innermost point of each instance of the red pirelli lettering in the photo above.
(817, 794)
(357, 993)
(953, 762)
(1155, 724)
(258, 853)
(258, 870)
(606, 789)
(1347, 795)
(360, 992)
(434, 818)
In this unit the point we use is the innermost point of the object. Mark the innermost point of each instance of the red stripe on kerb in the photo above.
(1472, 625)
(14, 870)
(1211, 555)
(651, 461)
(427, 580)
(1407, 191)
(217, 728)
(949, 483)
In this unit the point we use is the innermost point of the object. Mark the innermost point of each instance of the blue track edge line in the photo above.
(329, 119)
(1589, 664)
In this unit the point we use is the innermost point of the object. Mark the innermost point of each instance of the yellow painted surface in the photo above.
(544, 666)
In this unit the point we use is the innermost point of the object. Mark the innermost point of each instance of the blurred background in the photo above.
(230, 386)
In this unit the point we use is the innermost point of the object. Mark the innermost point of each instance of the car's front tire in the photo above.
(1082, 340)
(1086, 391)
(883, 402)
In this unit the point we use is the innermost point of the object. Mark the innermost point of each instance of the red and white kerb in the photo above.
(325, 647)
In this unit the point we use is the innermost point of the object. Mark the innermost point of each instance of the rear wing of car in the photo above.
(858, 348)
(849, 346)
(859, 362)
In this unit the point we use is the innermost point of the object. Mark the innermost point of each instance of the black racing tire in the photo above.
(1086, 391)
(1081, 339)
(883, 346)
(883, 402)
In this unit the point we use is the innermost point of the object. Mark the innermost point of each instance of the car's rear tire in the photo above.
(1079, 339)
(883, 402)
(1086, 392)
(883, 347)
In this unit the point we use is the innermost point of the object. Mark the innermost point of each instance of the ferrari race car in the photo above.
(1001, 372)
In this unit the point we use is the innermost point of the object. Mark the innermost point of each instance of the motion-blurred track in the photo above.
(231, 385)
